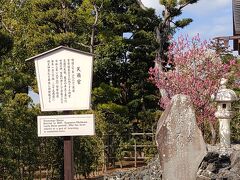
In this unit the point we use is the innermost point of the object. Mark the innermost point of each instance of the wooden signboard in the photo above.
(64, 78)
(66, 125)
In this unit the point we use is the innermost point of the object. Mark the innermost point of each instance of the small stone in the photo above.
(235, 162)
(146, 177)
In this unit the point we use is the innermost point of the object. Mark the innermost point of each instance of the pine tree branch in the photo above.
(142, 5)
(169, 16)
(184, 5)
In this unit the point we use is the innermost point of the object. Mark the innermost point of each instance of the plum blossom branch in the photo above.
(196, 72)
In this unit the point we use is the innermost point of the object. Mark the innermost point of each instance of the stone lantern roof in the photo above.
(224, 94)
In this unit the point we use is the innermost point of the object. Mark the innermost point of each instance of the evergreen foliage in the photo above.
(125, 40)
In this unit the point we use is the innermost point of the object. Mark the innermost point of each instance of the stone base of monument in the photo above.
(220, 165)
(215, 165)
(152, 171)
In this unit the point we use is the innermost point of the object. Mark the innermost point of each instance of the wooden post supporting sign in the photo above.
(68, 158)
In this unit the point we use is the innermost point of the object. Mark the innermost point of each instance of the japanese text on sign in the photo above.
(62, 75)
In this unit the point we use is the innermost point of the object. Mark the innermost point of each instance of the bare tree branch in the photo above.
(96, 10)
(84, 45)
(5, 26)
(96, 15)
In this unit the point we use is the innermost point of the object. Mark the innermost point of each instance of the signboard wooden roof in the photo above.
(64, 78)
(57, 48)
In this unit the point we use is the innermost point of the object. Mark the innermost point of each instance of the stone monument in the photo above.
(179, 140)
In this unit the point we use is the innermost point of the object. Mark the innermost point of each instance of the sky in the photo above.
(211, 18)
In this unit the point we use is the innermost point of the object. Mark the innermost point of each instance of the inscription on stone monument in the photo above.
(180, 143)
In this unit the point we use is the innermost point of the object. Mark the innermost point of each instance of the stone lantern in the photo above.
(224, 113)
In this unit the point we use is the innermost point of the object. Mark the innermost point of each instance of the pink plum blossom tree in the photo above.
(195, 70)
